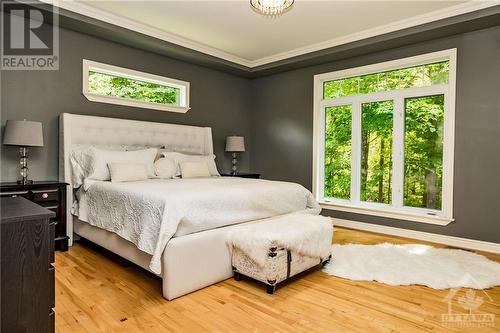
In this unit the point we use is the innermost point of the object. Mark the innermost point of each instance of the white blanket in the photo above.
(307, 235)
(149, 213)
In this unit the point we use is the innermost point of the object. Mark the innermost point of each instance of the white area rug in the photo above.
(397, 265)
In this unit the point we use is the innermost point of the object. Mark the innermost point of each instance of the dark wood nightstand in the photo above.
(48, 194)
(242, 175)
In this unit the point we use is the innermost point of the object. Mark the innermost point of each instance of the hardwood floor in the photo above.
(100, 292)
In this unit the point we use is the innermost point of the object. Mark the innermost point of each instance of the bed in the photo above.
(174, 228)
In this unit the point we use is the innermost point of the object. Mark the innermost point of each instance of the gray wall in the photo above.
(275, 114)
(218, 100)
(282, 130)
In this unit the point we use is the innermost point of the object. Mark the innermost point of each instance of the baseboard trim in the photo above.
(465, 243)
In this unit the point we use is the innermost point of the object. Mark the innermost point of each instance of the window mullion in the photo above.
(398, 152)
(320, 187)
(356, 152)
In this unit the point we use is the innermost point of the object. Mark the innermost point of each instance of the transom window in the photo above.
(384, 138)
(116, 85)
(412, 77)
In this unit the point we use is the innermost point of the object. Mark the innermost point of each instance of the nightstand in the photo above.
(48, 194)
(242, 175)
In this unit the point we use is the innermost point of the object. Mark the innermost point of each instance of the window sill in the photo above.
(407, 216)
(138, 104)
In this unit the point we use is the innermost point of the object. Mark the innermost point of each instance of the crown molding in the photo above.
(120, 21)
(381, 30)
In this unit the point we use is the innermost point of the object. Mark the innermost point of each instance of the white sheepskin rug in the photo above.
(398, 265)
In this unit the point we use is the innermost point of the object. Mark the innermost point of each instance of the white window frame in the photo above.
(183, 86)
(396, 210)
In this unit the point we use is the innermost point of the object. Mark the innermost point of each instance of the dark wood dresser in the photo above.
(49, 194)
(27, 275)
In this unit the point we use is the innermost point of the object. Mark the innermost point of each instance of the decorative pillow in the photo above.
(81, 164)
(190, 169)
(92, 163)
(165, 168)
(180, 157)
(159, 150)
(127, 172)
(134, 147)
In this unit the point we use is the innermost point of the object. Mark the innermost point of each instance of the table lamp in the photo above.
(24, 134)
(235, 144)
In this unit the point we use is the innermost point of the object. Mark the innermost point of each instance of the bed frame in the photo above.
(189, 262)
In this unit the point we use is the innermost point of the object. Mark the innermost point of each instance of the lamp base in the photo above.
(234, 168)
(23, 161)
(25, 182)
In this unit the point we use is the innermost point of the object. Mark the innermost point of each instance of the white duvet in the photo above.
(149, 213)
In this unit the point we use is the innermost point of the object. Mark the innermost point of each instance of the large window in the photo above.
(384, 138)
(111, 84)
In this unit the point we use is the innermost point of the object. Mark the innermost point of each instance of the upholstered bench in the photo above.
(275, 249)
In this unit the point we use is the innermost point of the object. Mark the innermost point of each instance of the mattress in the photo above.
(149, 213)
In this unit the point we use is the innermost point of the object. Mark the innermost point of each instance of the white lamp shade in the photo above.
(235, 144)
(23, 133)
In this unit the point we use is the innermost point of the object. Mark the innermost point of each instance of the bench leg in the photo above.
(327, 260)
(271, 289)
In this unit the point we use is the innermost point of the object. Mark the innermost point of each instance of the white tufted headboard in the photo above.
(118, 133)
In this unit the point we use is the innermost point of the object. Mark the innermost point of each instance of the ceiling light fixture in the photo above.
(271, 7)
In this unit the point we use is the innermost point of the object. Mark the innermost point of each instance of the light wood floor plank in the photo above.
(97, 291)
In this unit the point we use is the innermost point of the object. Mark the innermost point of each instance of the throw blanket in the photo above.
(307, 235)
(149, 213)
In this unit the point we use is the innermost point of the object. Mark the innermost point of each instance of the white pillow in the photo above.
(127, 172)
(190, 169)
(81, 164)
(180, 157)
(165, 168)
(91, 162)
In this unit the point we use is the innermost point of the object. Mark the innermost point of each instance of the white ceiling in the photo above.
(233, 31)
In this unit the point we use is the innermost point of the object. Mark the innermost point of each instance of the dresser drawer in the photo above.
(27, 281)
(52, 283)
(45, 195)
(52, 237)
(52, 321)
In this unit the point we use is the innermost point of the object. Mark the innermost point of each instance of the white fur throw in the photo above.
(308, 235)
(402, 265)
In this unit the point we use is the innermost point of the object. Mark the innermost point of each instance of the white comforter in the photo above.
(149, 213)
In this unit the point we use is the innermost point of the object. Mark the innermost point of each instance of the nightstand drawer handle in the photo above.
(45, 195)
